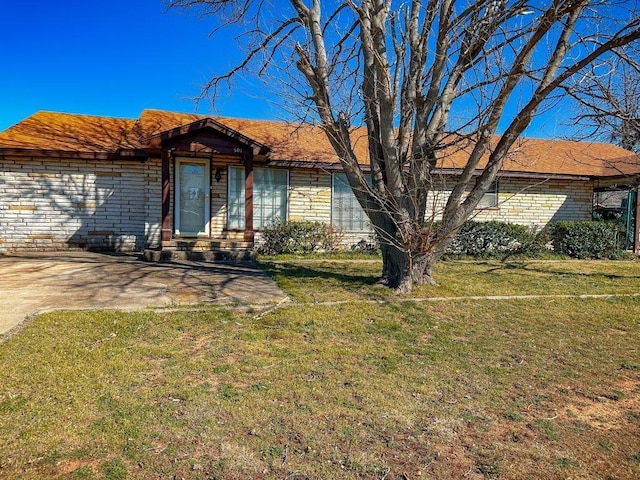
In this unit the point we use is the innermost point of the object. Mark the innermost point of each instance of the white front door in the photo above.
(192, 197)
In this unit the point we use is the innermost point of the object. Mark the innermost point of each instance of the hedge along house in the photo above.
(170, 181)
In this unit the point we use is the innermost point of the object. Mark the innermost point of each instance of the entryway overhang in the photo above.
(205, 138)
(224, 140)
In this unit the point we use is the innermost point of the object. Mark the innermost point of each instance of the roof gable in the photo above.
(287, 141)
(207, 134)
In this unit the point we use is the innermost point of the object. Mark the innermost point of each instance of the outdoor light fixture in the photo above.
(218, 175)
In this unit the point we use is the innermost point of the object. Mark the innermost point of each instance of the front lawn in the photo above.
(513, 389)
(320, 280)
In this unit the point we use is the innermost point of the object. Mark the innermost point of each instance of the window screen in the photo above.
(490, 199)
(269, 197)
(346, 212)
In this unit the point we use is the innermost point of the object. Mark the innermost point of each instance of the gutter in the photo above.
(121, 154)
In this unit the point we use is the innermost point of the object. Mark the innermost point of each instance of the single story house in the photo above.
(176, 181)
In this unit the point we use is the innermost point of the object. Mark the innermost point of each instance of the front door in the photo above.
(192, 197)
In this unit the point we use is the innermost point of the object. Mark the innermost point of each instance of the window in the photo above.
(269, 197)
(490, 199)
(346, 212)
(235, 199)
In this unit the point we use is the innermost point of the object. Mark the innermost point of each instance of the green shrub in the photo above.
(492, 239)
(584, 239)
(298, 237)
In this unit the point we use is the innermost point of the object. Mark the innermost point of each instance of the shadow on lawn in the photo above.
(350, 279)
(535, 268)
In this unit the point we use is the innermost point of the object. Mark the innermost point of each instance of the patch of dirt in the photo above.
(605, 412)
(69, 466)
(617, 331)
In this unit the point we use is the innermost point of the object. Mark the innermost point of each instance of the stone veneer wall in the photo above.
(56, 204)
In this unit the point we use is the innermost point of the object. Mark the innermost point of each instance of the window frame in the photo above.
(238, 201)
(258, 221)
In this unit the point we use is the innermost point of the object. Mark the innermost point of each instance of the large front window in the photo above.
(346, 212)
(270, 190)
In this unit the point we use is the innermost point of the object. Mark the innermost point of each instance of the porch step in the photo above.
(199, 256)
(186, 245)
(200, 250)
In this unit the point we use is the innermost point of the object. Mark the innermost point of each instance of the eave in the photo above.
(336, 167)
(122, 154)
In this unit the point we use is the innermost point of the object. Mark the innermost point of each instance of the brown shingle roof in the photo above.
(287, 141)
(301, 144)
(532, 155)
(71, 133)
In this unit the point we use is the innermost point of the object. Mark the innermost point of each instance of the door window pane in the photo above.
(193, 184)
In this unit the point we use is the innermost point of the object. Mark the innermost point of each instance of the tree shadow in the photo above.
(97, 280)
(296, 270)
(534, 267)
(83, 185)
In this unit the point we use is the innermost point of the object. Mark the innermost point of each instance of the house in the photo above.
(177, 181)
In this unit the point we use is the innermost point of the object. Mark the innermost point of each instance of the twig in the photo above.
(271, 309)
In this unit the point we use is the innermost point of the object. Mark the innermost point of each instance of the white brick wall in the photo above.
(529, 202)
(309, 195)
(522, 201)
(47, 204)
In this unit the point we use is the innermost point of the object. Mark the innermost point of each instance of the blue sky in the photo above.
(119, 57)
(112, 58)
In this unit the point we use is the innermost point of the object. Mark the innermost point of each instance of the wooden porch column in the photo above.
(248, 199)
(636, 228)
(166, 233)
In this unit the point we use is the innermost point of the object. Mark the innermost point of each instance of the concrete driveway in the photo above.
(36, 283)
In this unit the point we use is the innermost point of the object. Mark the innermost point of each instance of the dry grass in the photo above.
(545, 388)
(330, 280)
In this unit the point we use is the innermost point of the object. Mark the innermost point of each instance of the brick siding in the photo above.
(525, 202)
(51, 204)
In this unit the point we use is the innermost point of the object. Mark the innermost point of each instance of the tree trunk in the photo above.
(403, 269)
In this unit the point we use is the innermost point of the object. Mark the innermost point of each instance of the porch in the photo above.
(207, 192)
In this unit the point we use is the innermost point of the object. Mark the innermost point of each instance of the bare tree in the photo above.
(608, 96)
(412, 72)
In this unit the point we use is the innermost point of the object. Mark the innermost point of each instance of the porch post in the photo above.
(165, 233)
(636, 228)
(248, 198)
